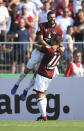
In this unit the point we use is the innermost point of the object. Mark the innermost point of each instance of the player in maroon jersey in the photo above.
(47, 30)
(46, 71)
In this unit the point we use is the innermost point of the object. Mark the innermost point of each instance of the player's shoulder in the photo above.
(44, 24)
(57, 26)
(47, 48)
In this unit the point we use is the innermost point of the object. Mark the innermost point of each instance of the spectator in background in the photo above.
(82, 4)
(4, 15)
(42, 17)
(38, 4)
(13, 15)
(58, 5)
(31, 10)
(75, 69)
(21, 35)
(28, 19)
(11, 2)
(79, 30)
(16, 2)
(64, 21)
(82, 7)
(68, 39)
(76, 6)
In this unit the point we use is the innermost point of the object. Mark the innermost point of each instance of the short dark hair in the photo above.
(50, 12)
(76, 52)
(57, 39)
(70, 26)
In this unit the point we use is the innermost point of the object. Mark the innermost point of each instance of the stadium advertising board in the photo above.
(64, 100)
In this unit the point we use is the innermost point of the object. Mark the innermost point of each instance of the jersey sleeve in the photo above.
(41, 29)
(46, 49)
(69, 70)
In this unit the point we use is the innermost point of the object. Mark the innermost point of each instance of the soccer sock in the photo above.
(20, 78)
(31, 83)
(42, 103)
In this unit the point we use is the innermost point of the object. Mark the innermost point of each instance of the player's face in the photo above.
(51, 19)
(77, 58)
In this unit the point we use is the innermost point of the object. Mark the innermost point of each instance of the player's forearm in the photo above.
(61, 49)
(42, 41)
(39, 47)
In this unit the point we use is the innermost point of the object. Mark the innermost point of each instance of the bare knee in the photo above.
(26, 71)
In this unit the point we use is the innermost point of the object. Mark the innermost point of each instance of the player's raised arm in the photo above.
(42, 41)
(39, 47)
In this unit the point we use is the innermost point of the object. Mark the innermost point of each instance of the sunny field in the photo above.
(42, 125)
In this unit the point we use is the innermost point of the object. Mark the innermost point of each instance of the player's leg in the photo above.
(42, 104)
(20, 78)
(40, 86)
(30, 84)
(36, 57)
(25, 91)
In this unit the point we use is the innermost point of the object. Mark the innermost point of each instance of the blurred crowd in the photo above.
(20, 19)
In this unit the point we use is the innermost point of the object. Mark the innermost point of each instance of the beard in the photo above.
(51, 22)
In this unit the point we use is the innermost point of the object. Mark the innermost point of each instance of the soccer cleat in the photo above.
(14, 89)
(42, 118)
(23, 96)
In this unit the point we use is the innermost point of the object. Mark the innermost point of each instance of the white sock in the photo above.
(20, 78)
(31, 83)
(42, 103)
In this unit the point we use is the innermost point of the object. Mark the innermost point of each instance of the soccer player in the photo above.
(47, 30)
(46, 71)
(75, 69)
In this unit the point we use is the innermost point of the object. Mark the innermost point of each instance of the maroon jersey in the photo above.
(49, 61)
(48, 31)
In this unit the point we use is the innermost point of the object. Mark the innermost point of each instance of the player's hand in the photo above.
(61, 49)
(16, 35)
(55, 47)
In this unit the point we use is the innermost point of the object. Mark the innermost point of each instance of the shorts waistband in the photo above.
(45, 76)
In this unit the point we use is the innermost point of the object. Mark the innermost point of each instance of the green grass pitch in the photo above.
(57, 125)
